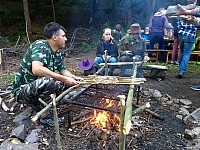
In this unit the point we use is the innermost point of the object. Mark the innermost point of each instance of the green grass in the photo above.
(193, 68)
(8, 77)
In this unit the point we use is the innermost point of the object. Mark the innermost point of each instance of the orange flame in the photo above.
(104, 119)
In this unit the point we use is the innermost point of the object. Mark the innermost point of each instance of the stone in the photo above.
(179, 117)
(183, 111)
(19, 132)
(196, 114)
(33, 136)
(185, 101)
(9, 145)
(23, 117)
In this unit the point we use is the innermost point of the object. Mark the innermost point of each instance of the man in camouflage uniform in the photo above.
(132, 44)
(37, 77)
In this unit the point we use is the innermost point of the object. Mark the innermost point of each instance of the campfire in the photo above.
(105, 119)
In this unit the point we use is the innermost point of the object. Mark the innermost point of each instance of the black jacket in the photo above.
(111, 51)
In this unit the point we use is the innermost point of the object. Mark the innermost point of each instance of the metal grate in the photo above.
(96, 95)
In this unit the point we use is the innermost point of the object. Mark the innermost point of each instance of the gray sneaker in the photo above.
(196, 87)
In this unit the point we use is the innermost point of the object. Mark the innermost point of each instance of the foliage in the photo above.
(8, 77)
(63, 6)
(85, 46)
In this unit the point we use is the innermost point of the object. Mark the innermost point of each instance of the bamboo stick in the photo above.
(59, 146)
(100, 70)
(122, 137)
(128, 111)
(50, 104)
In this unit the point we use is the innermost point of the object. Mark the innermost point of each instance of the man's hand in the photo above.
(70, 81)
(108, 57)
(189, 19)
(78, 78)
(129, 53)
(146, 58)
(182, 11)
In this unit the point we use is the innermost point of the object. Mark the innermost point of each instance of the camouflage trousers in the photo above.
(40, 88)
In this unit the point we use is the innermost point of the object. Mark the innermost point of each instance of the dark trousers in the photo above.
(158, 38)
(139, 73)
(40, 88)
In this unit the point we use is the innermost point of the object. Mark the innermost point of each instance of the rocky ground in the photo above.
(162, 134)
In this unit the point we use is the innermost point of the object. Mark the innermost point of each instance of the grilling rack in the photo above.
(97, 96)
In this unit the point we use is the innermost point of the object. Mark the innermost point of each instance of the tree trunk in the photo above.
(27, 21)
(129, 19)
(54, 14)
(151, 7)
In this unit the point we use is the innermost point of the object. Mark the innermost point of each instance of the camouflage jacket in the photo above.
(41, 51)
(137, 47)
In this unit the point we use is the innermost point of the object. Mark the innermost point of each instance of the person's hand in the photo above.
(70, 81)
(129, 53)
(78, 78)
(108, 57)
(189, 19)
(182, 11)
(146, 58)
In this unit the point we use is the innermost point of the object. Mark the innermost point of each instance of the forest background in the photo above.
(26, 18)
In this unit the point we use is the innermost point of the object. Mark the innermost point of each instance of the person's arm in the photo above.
(183, 11)
(146, 57)
(99, 49)
(166, 23)
(115, 49)
(122, 49)
(69, 74)
(39, 70)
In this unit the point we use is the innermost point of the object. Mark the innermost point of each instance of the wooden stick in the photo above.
(152, 113)
(141, 108)
(83, 114)
(50, 104)
(122, 137)
(81, 121)
(83, 128)
(120, 63)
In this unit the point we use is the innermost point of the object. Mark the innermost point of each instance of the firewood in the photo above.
(81, 121)
(83, 128)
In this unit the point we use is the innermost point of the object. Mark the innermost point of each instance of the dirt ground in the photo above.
(165, 137)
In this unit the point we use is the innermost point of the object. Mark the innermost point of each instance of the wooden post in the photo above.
(2, 59)
(59, 146)
(129, 102)
(106, 61)
(122, 137)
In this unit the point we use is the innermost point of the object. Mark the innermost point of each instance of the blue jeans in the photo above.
(158, 38)
(111, 60)
(186, 44)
